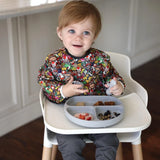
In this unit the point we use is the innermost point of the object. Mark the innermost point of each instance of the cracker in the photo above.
(80, 104)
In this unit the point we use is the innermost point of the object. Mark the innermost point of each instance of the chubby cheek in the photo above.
(66, 40)
(88, 44)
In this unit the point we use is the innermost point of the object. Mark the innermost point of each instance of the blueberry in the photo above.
(107, 113)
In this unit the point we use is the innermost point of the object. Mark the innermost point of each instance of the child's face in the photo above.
(77, 37)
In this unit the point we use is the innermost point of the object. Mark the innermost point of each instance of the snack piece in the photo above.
(80, 104)
(84, 116)
(107, 115)
(116, 114)
(99, 103)
(109, 103)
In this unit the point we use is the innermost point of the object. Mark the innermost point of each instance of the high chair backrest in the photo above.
(123, 65)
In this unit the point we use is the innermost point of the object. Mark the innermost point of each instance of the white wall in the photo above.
(131, 27)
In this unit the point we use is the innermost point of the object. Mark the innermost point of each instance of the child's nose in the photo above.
(78, 37)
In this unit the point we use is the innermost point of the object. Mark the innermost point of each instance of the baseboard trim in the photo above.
(19, 118)
(143, 57)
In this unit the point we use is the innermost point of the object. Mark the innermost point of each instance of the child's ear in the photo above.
(59, 33)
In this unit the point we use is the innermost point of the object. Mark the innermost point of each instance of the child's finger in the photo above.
(106, 85)
(71, 80)
(79, 91)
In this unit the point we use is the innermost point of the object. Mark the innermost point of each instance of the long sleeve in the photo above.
(109, 72)
(48, 78)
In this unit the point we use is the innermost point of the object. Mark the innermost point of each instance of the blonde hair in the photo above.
(78, 10)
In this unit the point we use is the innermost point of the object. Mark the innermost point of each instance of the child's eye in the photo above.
(71, 31)
(86, 33)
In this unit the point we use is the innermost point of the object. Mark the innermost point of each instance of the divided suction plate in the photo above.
(71, 109)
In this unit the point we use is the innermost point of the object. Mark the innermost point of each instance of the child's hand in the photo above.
(117, 89)
(70, 89)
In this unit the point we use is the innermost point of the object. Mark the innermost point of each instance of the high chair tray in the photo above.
(82, 111)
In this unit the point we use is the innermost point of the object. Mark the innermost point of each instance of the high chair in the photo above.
(122, 65)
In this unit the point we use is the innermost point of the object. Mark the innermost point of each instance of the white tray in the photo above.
(71, 109)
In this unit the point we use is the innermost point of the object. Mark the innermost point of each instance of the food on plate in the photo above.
(84, 116)
(99, 103)
(80, 104)
(109, 103)
(107, 115)
(106, 103)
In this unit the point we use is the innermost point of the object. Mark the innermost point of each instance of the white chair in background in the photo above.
(122, 64)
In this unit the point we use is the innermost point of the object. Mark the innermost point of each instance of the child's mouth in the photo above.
(78, 46)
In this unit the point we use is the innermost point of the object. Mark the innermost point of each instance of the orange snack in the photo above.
(99, 103)
(109, 103)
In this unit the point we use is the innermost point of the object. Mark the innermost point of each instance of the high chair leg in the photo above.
(46, 155)
(119, 155)
(137, 152)
(54, 152)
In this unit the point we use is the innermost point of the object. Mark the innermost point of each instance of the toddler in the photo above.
(79, 69)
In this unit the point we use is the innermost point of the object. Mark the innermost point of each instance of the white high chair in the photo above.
(122, 65)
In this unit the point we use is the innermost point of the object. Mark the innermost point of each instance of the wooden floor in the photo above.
(26, 142)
